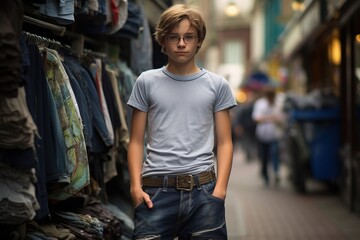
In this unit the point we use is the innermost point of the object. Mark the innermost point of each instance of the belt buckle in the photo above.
(187, 180)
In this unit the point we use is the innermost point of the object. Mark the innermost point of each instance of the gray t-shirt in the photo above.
(180, 125)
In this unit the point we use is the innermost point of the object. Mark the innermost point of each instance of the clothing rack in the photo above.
(42, 41)
(58, 30)
(77, 40)
(95, 54)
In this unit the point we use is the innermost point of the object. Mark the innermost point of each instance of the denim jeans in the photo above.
(81, 101)
(192, 214)
(100, 138)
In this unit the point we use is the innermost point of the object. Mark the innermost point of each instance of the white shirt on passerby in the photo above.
(267, 131)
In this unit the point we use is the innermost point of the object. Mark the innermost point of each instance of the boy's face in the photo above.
(182, 43)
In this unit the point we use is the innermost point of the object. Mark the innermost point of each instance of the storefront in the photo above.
(67, 73)
(321, 50)
(349, 24)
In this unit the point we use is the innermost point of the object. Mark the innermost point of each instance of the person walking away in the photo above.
(178, 190)
(268, 117)
(246, 127)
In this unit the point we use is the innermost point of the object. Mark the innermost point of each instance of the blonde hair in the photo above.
(171, 17)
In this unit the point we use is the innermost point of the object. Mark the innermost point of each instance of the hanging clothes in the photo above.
(61, 11)
(141, 47)
(100, 138)
(11, 16)
(96, 70)
(70, 119)
(52, 163)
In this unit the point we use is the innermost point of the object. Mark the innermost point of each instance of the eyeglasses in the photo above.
(175, 38)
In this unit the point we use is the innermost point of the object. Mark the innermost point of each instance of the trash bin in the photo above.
(320, 130)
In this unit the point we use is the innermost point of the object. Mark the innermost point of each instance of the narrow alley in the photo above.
(277, 212)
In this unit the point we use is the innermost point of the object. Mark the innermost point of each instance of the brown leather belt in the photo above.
(184, 182)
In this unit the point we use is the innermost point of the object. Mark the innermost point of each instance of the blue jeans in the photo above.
(192, 214)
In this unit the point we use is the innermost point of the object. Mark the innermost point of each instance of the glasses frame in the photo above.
(175, 38)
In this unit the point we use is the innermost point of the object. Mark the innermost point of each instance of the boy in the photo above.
(181, 107)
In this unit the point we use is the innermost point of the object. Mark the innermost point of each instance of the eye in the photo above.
(189, 37)
(173, 38)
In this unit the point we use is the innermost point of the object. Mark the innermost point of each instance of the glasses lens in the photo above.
(189, 38)
(174, 38)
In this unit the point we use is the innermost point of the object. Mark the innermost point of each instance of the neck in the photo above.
(182, 69)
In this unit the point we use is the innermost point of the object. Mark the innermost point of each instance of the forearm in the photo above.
(135, 159)
(135, 163)
(224, 164)
(263, 119)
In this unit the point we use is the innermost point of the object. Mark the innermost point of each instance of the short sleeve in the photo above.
(224, 98)
(139, 98)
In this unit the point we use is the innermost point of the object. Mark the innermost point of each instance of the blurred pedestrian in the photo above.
(245, 126)
(181, 107)
(269, 119)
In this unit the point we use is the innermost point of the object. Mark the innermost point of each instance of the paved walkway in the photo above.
(256, 212)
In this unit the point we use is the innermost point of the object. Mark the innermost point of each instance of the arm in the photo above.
(224, 152)
(259, 113)
(135, 157)
(264, 119)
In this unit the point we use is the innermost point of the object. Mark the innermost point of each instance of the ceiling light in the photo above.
(231, 9)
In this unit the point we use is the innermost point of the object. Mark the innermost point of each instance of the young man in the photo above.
(181, 107)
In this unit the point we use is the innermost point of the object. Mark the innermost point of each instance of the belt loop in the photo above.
(213, 176)
(165, 184)
(197, 182)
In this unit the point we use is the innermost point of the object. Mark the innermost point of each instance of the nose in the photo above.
(181, 41)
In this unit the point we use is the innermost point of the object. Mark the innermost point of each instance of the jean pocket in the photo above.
(208, 189)
(153, 194)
